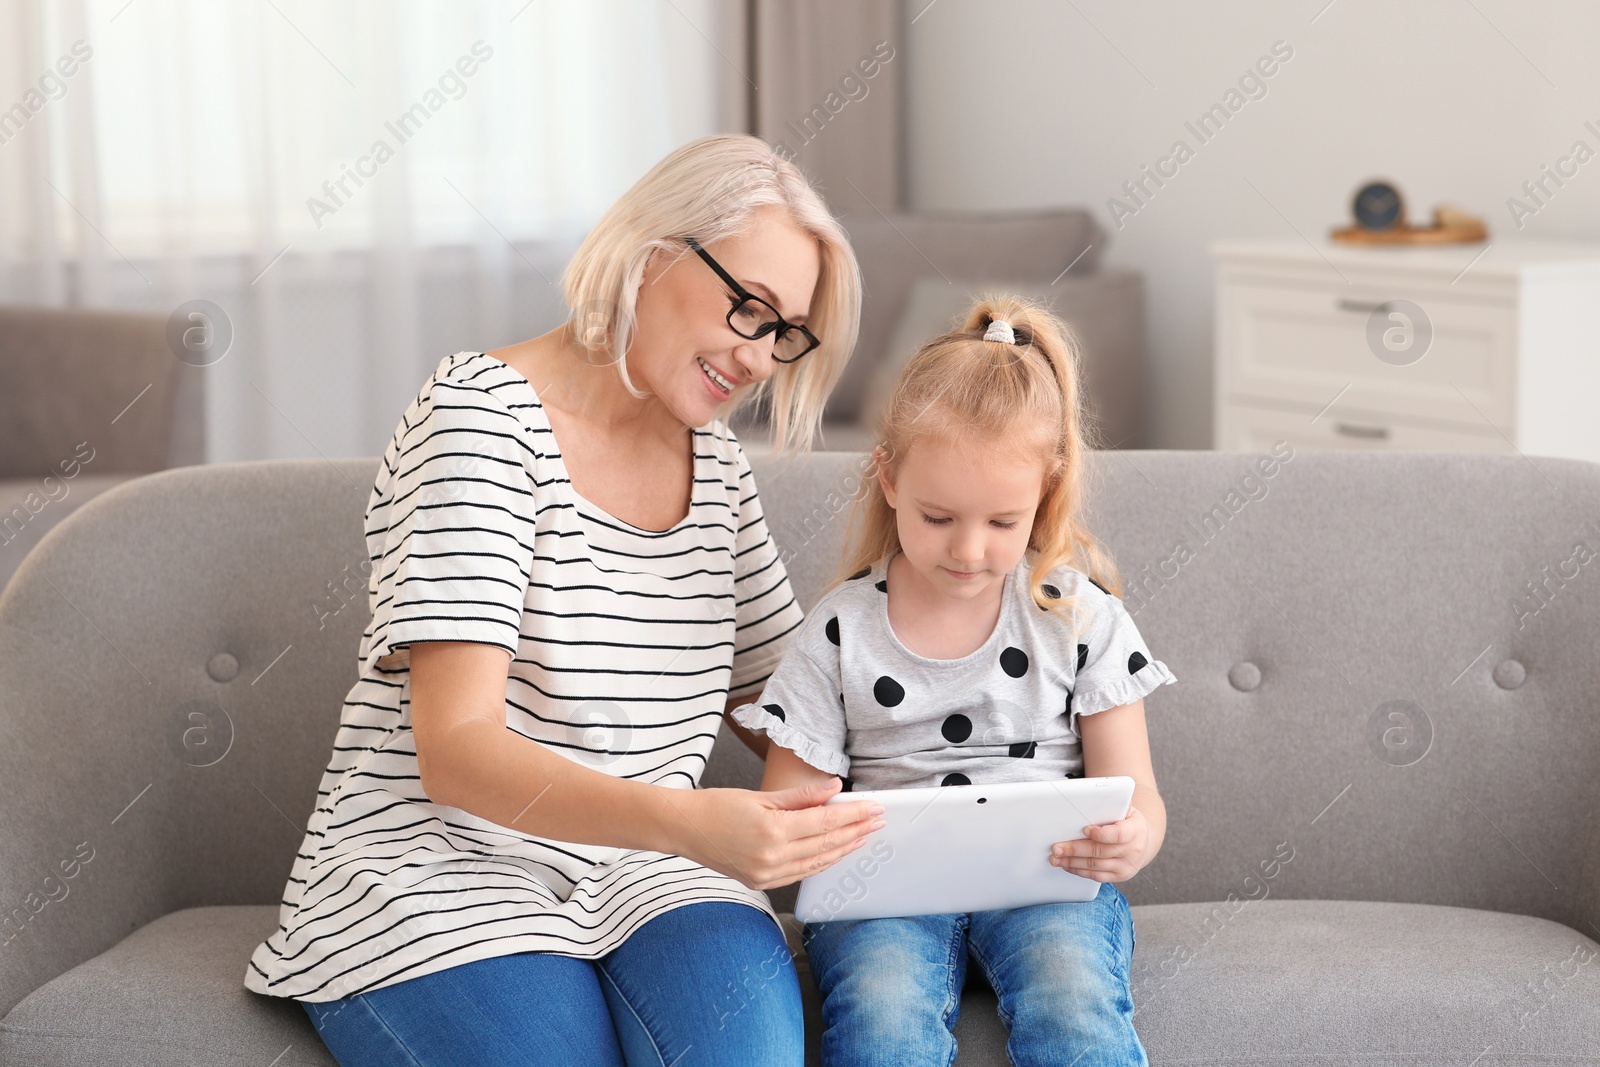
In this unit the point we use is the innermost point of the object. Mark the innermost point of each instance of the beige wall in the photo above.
(1023, 102)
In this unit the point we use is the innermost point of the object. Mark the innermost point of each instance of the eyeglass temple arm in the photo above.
(714, 265)
(783, 325)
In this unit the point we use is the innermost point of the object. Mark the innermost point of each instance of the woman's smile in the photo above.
(720, 385)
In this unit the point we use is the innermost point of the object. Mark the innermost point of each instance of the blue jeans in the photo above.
(891, 988)
(704, 984)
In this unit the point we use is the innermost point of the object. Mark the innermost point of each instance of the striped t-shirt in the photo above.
(626, 644)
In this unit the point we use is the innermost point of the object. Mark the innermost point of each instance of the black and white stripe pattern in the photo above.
(626, 644)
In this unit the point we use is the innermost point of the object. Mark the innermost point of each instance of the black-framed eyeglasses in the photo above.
(754, 318)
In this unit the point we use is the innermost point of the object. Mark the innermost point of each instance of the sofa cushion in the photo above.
(171, 992)
(1303, 982)
(1334, 983)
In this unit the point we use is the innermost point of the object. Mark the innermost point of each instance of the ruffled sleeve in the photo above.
(1115, 666)
(800, 708)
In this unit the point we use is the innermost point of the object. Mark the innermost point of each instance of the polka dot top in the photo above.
(850, 699)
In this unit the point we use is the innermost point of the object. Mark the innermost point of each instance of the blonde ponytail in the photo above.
(959, 387)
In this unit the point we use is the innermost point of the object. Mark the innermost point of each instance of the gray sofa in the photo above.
(1379, 759)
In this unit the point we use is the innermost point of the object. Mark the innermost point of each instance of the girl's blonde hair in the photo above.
(1008, 397)
(709, 189)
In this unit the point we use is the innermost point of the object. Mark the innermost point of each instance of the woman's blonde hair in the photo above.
(996, 396)
(709, 189)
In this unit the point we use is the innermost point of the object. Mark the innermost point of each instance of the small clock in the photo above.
(1378, 206)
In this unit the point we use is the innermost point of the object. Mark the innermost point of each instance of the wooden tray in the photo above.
(1412, 235)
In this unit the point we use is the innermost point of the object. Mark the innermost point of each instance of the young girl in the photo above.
(977, 640)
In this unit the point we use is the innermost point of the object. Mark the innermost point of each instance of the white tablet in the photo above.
(964, 848)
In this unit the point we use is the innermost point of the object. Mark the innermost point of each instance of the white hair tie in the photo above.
(1000, 330)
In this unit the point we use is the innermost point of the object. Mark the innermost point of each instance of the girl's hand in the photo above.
(768, 839)
(1113, 852)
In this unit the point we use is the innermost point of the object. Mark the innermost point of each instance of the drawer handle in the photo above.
(1360, 305)
(1350, 429)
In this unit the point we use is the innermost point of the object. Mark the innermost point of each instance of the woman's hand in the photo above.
(768, 839)
(1113, 851)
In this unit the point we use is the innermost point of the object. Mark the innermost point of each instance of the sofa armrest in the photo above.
(173, 657)
(85, 815)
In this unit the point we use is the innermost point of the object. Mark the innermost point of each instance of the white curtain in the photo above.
(362, 188)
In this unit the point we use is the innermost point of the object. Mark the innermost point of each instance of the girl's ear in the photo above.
(880, 457)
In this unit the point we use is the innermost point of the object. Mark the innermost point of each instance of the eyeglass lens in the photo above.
(755, 319)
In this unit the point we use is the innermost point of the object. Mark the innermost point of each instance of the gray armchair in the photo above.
(88, 399)
(921, 269)
(1381, 782)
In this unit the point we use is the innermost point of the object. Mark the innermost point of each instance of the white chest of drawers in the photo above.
(1513, 363)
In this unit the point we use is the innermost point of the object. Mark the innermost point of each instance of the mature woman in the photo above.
(572, 584)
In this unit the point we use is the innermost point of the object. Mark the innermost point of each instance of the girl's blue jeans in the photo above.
(891, 988)
(704, 984)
